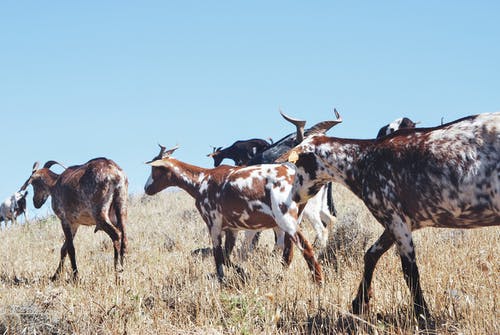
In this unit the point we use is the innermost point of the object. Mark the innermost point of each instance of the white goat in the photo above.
(13, 206)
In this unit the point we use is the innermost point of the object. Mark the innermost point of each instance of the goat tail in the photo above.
(329, 200)
(120, 198)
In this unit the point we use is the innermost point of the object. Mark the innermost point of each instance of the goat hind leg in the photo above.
(115, 236)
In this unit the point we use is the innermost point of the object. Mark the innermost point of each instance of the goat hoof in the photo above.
(426, 322)
(75, 278)
(359, 308)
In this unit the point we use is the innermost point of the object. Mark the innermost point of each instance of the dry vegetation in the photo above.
(167, 288)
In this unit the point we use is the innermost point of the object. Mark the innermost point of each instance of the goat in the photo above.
(320, 210)
(401, 123)
(446, 176)
(240, 151)
(236, 198)
(13, 206)
(94, 193)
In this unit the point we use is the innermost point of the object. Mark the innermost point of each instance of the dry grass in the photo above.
(168, 289)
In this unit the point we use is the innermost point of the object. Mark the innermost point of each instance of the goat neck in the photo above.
(320, 155)
(172, 172)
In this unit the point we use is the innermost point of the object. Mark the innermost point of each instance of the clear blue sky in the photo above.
(85, 79)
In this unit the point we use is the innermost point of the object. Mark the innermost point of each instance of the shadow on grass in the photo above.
(347, 323)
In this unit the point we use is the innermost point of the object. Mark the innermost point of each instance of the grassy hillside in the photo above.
(167, 288)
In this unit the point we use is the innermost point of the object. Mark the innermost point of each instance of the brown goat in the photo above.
(94, 193)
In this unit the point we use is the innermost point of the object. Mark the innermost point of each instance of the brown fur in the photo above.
(94, 193)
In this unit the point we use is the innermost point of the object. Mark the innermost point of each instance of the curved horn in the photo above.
(49, 164)
(323, 127)
(300, 124)
(163, 153)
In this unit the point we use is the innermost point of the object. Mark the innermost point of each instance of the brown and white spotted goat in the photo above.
(94, 193)
(236, 198)
(446, 176)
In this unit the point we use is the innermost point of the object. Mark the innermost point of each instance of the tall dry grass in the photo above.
(167, 288)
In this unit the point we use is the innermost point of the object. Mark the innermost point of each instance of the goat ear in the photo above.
(35, 167)
(293, 157)
(171, 151)
(157, 162)
(283, 158)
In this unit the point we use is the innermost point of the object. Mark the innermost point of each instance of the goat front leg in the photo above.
(64, 252)
(218, 256)
(67, 247)
(287, 249)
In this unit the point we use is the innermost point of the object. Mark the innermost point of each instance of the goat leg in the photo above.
(64, 252)
(384, 242)
(115, 236)
(308, 253)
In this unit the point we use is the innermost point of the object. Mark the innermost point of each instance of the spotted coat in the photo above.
(446, 176)
(235, 198)
(319, 210)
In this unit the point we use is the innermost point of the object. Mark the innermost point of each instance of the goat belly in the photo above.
(249, 221)
(85, 219)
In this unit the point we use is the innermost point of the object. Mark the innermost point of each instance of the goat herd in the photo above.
(409, 178)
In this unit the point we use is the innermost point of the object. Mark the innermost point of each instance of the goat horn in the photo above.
(300, 124)
(49, 164)
(157, 161)
(323, 127)
(164, 152)
(214, 150)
